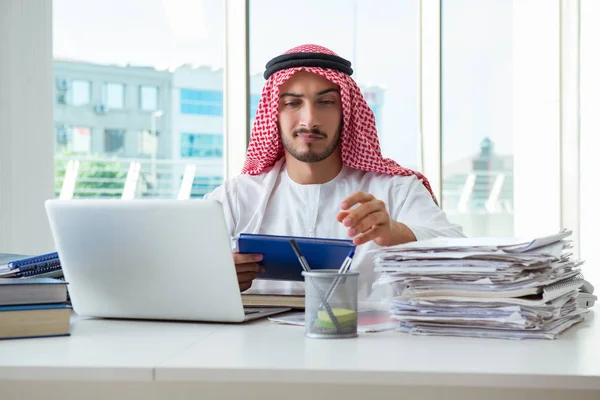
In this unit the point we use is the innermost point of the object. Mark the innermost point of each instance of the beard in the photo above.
(310, 155)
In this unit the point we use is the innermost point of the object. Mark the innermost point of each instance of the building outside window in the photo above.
(114, 140)
(75, 139)
(198, 145)
(201, 102)
(80, 92)
(148, 98)
(114, 95)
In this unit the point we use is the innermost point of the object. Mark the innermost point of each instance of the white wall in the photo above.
(26, 127)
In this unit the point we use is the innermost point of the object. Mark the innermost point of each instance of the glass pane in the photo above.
(477, 161)
(82, 140)
(149, 98)
(195, 145)
(590, 140)
(114, 95)
(147, 143)
(360, 31)
(122, 81)
(81, 92)
(114, 140)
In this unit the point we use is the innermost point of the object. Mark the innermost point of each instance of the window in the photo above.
(114, 140)
(114, 95)
(197, 145)
(254, 100)
(82, 139)
(201, 102)
(477, 160)
(148, 98)
(80, 92)
(147, 143)
(205, 184)
(362, 29)
(76, 92)
(139, 62)
(589, 141)
(76, 139)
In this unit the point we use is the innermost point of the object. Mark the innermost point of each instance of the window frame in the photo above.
(141, 98)
(560, 194)
(105, 86)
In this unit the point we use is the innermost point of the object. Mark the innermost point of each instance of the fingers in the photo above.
(247, 268)
(355, 198)
(356, 215)
(370, 221)
(239, 258)
(245, 286)
(246, 273)
(341, 215)
(252, 267)
(245, 277)
(369, 235)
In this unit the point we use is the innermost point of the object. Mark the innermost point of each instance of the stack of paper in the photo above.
(483, 287)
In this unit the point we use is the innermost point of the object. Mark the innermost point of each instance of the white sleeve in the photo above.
(226, 194)
(425, 218)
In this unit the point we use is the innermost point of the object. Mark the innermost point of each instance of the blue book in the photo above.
(280, 261)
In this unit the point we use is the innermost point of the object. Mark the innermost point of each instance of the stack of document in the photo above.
(483, 287)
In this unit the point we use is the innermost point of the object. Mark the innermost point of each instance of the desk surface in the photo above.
(112, 350)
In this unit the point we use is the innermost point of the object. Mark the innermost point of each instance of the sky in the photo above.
(379, 37)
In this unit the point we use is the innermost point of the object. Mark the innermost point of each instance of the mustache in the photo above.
(313, 131)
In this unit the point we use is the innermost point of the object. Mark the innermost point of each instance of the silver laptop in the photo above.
(149, 259)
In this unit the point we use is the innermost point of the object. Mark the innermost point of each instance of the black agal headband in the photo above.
(321, 60)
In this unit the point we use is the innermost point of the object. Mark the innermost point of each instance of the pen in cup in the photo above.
(343, 269)
(306, 268)
(346, 264)
(301, 258)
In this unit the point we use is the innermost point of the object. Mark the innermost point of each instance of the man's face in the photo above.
(310, 117)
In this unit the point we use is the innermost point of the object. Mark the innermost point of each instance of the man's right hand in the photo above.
(246, 266)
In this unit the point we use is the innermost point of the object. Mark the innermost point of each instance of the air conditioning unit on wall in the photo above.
(62, 84)
(100, 108)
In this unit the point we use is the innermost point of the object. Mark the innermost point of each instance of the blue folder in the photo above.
(280, 261)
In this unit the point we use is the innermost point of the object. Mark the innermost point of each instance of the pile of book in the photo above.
(33, 297)
(33, 307)
(483, 287)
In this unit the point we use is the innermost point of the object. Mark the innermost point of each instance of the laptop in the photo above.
(149, 259)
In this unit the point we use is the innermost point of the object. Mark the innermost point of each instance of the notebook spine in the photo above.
(38, 271)
(33, 262)
(54, 264)
(560, 285)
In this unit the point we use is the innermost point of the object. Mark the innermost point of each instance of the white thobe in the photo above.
(272, 203)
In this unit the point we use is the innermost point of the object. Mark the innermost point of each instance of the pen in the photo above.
(301, 258)
(343, 269)
(306, 268)
(346, 264)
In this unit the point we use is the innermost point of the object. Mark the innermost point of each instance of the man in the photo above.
(314, 167)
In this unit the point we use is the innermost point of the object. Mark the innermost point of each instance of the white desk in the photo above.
(108, 359)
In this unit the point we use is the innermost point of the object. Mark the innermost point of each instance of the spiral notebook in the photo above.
(42, 264)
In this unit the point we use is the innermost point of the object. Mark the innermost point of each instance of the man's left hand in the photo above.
(371, 221)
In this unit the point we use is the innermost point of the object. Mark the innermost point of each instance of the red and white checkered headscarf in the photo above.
(359, 141)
